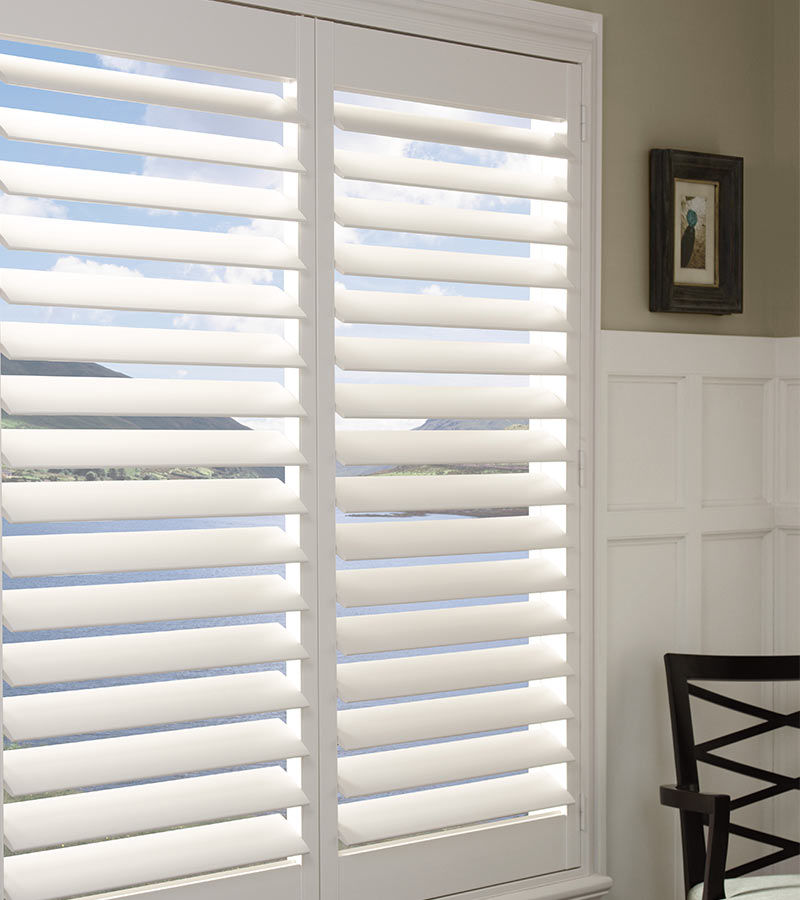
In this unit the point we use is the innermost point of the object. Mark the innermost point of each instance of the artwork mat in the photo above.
(691, 276)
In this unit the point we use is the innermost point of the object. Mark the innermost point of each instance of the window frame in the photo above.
(518, 26)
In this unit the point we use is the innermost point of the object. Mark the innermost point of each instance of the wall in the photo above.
(699, 540)
(698, 434)
(786, 316)
(701, 75)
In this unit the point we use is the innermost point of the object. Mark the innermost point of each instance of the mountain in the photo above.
(95, 370)
(471, 424)
(438, 425)
(199, 423)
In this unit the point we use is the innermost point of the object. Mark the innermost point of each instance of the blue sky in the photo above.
(45, 101)
(196, 121)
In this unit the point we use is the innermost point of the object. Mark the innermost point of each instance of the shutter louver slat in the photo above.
(113, 85)
(81, 764)
(437, 627)
(420, 720)
(447, 265)
(147, 140)
(385, 355)
(503, 534)
(397, 770)
(376, 493)
(144, 242)
(34, 609)
(38, 716)
(440, 129)
(387, 817)
(79, 343)
(81, 501)
(34, 824)
(198, 548)
(440, 673)
(402, 401)
(62, 183)
(88, 448)
(427, 173)
(398, 308)
(433, 447)
(44, 395)
(125, 862)
(123, 655)
(33, 288)
(452, 581)
(353, 212)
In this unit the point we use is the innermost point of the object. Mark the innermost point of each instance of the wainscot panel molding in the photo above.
(698, 465)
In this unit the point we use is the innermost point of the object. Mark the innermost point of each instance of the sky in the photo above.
(69, 104)
(26, 98)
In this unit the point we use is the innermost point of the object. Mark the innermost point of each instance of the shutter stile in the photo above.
(451, 632)
(151, 716)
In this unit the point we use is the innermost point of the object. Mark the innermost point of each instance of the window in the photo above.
(296, 540)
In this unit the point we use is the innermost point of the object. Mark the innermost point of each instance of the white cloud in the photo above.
(73, 265)
(31, 206)
(255, 325)
(164, 167)
(398, 193)
(346, 235)
(92, 317)
(261, 228)
(233, 275)
(241, 275)
(434, 290)
(230, 274)
(181, 373)
(135, 66)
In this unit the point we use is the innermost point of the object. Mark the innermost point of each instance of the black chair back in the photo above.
(682, 671)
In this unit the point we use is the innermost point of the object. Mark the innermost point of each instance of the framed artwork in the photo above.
(696, 215)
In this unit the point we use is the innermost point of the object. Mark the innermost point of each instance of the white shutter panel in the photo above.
(154, 549)
(456, 258)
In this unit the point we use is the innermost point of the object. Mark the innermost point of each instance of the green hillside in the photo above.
(94, 370)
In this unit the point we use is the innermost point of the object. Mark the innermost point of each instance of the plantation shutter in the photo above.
(296, 547)
(155, 548)
(457, 245)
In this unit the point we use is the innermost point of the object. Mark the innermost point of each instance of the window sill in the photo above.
(588, 887)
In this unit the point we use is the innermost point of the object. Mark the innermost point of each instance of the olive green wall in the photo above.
(720, 76)
(786, 316)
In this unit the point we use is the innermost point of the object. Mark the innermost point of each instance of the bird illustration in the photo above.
(687, 239)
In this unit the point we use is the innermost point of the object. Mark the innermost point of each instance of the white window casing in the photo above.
(392, 688)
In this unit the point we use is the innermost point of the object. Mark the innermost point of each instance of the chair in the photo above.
(704, 860)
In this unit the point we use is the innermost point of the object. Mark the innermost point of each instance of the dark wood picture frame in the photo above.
(724, 295)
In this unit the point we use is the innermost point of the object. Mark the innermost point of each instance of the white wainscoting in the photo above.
(698, 544)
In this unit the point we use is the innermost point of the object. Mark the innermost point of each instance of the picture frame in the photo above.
(696, 226)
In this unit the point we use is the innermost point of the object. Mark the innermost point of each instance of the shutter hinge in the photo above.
(584, 126)
(582, 811)
(581, 468)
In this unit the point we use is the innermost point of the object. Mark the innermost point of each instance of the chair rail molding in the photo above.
(698, 520)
